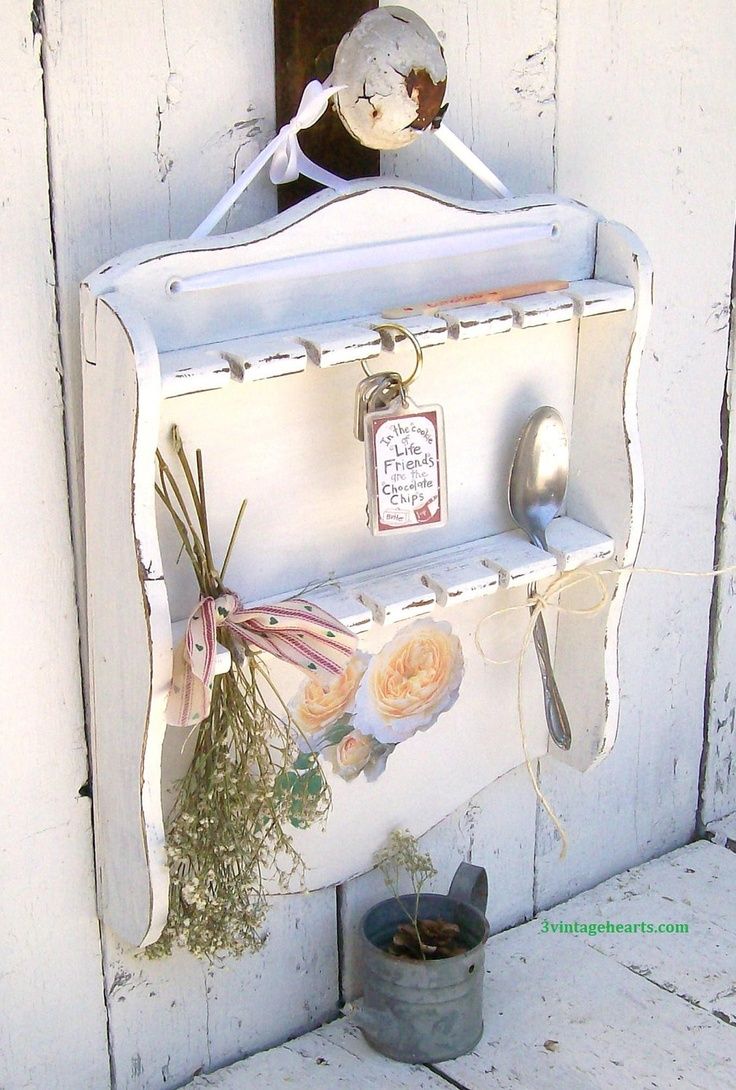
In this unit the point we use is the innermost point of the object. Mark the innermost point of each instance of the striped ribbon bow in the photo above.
(296, 631)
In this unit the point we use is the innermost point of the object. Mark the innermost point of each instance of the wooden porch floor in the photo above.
(572, 1011)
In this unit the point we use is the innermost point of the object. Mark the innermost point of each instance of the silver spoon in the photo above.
(537, 487)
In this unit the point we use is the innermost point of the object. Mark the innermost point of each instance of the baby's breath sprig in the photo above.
(401, 855)
(229, 828)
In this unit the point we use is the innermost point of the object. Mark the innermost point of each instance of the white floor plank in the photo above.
(328, 1059)
(695, 886)
(559, 1014)
(641, 1010)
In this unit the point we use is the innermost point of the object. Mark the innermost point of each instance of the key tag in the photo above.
(405, 458)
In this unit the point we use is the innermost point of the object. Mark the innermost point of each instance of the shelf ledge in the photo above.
(247, 359)
(476, 569)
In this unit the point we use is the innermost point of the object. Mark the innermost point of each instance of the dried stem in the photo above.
(229, 830)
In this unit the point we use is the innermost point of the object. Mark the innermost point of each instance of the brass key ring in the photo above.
(417, 348)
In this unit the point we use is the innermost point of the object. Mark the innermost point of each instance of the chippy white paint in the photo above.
(53, 1025)
(141, 150)
(132, 865)
(642, 801)
(570, 1009)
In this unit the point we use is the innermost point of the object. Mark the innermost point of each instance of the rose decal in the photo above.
(315, 710)
(410, 682)
(378, 702)
(358, 753)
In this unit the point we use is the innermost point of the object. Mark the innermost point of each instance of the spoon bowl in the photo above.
(539, 474)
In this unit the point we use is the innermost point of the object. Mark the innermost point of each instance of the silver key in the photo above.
(375, 392)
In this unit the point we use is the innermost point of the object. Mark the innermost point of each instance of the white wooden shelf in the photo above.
(475, 569)
(305, 293)
(248, 359)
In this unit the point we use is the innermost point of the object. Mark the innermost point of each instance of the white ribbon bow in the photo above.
(288, 160)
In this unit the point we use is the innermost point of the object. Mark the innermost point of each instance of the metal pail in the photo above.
(426, 1011)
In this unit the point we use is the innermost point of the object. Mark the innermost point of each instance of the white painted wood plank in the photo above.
(381, 215)
(460, 580)
(541, 309)
(517, 561)
(53, 1027)
(255, 358)
(429, 330)
(723, 832)
(363, 1065)
(184, 122)
(192, 371)
(502, 97)
(664, 629)
(694, 888)
(173, 1017)
(211, 367)
(397, 598)
(477, 320)
(335, 1057)
(129, 647)
(591, 297)
(473, 569)
(559, 1013)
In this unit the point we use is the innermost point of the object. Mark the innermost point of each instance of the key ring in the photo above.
(417, 348)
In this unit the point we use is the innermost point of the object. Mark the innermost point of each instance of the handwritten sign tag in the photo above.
(405, 464)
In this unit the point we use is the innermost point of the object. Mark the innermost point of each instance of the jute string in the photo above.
(542, 600)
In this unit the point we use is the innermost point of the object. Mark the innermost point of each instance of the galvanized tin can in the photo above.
(426, 1011)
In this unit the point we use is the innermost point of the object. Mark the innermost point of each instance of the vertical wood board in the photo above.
(53, 1031)
(173, 1017)
(624, 70)
(501, 65)
(153, 110)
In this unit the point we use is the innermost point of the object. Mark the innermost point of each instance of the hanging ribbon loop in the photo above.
(296, 631)
(288, 160)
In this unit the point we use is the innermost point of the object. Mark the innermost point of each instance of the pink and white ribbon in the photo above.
(295, 630)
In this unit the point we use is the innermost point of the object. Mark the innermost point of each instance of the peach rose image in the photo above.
(315, 709)
(412, 681)
(357, 753)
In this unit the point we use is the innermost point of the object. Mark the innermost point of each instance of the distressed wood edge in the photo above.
(610, 236)
(104, 278)
(154, 604)
(722, 832)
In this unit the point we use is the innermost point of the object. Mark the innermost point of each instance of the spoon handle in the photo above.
(554, 710)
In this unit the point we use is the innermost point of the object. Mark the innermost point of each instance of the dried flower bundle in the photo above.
(229, 828)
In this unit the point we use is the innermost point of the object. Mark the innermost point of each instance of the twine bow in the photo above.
(296, 631)
(549, 598)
